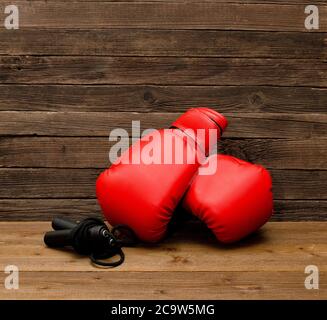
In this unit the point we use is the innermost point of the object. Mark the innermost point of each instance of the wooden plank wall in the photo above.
(77, 69)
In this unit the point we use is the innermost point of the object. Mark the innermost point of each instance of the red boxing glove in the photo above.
(144, 195)
(233, 202)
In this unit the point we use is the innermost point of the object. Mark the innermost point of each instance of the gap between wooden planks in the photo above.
(189, 265)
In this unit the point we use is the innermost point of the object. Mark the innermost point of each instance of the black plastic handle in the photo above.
(62, 224)
(60, 238)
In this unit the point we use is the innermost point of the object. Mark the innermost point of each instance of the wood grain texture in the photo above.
(100, 124)
(173, 269)
(77, 69)
(80, 183)
(77, 209)
(92, 152)
(164, 285)
(163, 15)
(138, 98)
(299, 210)
(147, 42)
(48, 183)
(281, 153)
(162, 70)
(185, 250)
(47, 209)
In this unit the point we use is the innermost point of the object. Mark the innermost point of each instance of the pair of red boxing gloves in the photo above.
(233, 197)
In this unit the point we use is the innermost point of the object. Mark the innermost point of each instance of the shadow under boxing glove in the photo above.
(144, 186)
(234, 201)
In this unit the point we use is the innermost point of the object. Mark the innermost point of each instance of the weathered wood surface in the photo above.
(149, 42)
(163, 15)
(25, 239)
(298, 210)
(162, 70)
(173, 269)
(92, 152)
(76, 70)
(100, 124)
(77, 209)
(80, 183)
(138, 98)
(164, 285)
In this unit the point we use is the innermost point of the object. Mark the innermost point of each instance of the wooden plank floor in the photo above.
(190, 264)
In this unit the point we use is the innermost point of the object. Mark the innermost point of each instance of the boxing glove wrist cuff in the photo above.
(206, 119)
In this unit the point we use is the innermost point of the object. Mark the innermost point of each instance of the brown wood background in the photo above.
(77, 69)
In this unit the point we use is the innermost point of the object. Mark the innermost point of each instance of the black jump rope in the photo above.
(91, 237)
